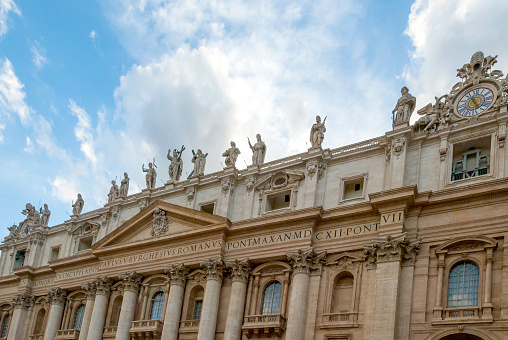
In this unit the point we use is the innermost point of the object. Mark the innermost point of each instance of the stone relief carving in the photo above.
(77, 207)
(190, 194)
(317, 132)
(143, 203)
(249, 183)
(231, 155)
(398, 146)
(258, 151)
(113, 192)
(321, 170)
(124, 185)
(151, 175)
(160, 223)
(35, 221)
(435, 117)
(177, 274)
(404, 107)
(311, 169)
(228, 185)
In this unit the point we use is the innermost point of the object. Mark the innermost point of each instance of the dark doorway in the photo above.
(461, 336)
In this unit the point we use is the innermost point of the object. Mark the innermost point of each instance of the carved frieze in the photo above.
(177, 274)
(160, 223)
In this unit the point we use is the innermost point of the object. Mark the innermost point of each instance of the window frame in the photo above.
(162, 302)
(262, 304)
(346, 180)
(75, 315)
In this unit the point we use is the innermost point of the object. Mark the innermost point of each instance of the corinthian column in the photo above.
(103, 288)
(131, 281)
(89, 290)
(240, 270)
(214, 271)
(302, 262)
(57, 297)
(21, 302)
(177, 276)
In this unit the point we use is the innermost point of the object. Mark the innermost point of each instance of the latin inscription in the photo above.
(392, 218)
(76, 273)
(261, 240)
(346, 231)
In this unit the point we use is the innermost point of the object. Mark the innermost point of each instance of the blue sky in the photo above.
(89, 89)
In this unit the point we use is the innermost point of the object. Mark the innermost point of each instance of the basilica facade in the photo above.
(396, 237)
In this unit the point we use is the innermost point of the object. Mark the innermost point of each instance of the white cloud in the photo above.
(38, 55)
(12, 96)
(83, 132)
(445, 34)
(64, 188)
(6, 6)
(92, 35)
(29, 145)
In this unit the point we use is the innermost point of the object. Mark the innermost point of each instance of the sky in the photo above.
(90, 90)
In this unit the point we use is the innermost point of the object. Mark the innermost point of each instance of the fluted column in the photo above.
(214, 269)
(21, 302)
(240, 271)
(131, 282)
(302, 261)
(177, 276)
(103, 288)
(89, 290)
(57, 297)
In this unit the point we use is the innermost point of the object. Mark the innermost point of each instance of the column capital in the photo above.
(214, 268)
(177, 274)
(239, 269)
(57, 296)
(23, 300)
(89, 289)
(303, 260)
(131, 281)
(392, 248)
(102, 285)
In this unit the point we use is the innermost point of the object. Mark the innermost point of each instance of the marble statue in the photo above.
(176, 167)
(258, 151)
(113, 192)
(45, 213)
(199, 160)
(317, 132)
(77, 207)
(13, 233)
(32, 215)
(404, 107)
(231, 155)
(124, 185)
(151, 176)
(434, 116)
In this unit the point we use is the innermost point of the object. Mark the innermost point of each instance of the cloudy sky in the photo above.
(90, 89)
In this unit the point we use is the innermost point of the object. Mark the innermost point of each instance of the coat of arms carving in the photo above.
(160, 223)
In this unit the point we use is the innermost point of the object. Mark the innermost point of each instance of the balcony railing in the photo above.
(146, 329)
(189, 326)
(265, 325)
(67, 334)
(109, 332)
(36, 337)
(469, 313)
(336, 320)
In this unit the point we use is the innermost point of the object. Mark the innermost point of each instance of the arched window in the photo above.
(271, 298)
(342, 295)
(115, 311)
(157, 306)
(195, 303)
(463, 285)
(78, 317)
(5, 326)
(39, 322)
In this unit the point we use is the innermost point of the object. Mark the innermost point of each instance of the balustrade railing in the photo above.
(462, 313)
(189, 323)
(67, 334)
(35, 337)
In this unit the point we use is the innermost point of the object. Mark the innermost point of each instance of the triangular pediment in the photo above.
(158, 221)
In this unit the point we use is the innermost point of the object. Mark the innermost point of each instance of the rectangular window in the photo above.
(278, 201)
(54, 253)
(471, 158)
(208, 208)
(19, 259)
(197, 309)
(85, 243)
(353, 188)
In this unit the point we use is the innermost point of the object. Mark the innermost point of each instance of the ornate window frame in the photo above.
(44, 303)
(6, 311)
(342, 187)
(195, 281)
(149, 287)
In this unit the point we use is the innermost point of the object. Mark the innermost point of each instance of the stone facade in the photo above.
(397, 237)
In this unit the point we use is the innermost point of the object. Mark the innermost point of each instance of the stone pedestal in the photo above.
(21, 302)
(103, 286)
(131, 281)
(240, 271)
(214, 271)
(177, 275)
(57, 297)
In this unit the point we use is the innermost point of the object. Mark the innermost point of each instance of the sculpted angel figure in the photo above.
(199, 160)
(124, 185)
(13, 233)
(113, 192)
(77, 207)
(176, 167)
(317, 132)
(258, 151)
(404, 107)
(231, 155)
(32, 215)
(151, 176)
(45, 213)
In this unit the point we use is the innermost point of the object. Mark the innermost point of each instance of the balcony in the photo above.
(463, 313)
(146, 329)
(189, 326)
(34, 337)
(451, 316)
(260, 326)
(67, 334)
(339, 320)
(109, 332)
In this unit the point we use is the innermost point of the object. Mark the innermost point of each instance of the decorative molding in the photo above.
(398, 146)
(130, 281)
(228, 185)
(89, 290)
(391, 248)
(239, 269)
(102, 285)
(249, 183)
(190, 194)
(303, 260)
(23, 300)
(177, 274)
(214, 268)
(57, 296)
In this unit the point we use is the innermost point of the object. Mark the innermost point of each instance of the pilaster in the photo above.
(229, 180)
(398, 142)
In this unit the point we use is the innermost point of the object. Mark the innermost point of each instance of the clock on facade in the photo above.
(475, 101)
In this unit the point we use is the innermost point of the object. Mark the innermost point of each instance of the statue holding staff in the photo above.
(258, 151)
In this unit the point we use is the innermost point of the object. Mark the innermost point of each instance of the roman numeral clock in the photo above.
(475, 100)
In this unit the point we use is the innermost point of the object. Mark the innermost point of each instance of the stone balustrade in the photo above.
(146, 329)
(268, 324)
(67, 334)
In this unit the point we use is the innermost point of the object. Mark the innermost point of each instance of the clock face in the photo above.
(475, 102)
(25, 229)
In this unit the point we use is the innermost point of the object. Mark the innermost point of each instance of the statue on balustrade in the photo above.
(151, 176)
(77, 207)
(176, 167)
(404, 107)
(124, 185)
(258, 151)
(231, 155)
(317, 132)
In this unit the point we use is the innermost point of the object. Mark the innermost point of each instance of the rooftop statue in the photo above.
(77, 207)
(199, 160)
(258, 151)
(13, 233)
(231, 155)
(317, 132)
(435, 116)
(404, 107)
(176, 167)
(151, 176)
(124, 185)
(113, 192)
(45, 214)
(32, 215)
